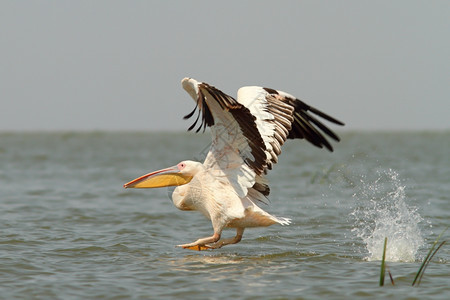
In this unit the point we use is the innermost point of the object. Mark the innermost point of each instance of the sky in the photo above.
(117, 65)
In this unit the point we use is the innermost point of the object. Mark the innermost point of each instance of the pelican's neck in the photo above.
(188, 196)
(180, 197)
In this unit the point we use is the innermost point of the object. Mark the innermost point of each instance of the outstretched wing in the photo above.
(304, 124)
(247, 133)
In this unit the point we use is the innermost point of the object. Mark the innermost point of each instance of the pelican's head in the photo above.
(177, 175)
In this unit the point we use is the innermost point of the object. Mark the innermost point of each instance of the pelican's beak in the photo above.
(162, 178)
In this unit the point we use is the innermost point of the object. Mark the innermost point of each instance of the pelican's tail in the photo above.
(282, 221)
(254, 216)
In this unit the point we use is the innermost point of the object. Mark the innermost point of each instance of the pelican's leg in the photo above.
(234, 240)
(200, 244)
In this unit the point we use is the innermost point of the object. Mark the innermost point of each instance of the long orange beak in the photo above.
(162, 178)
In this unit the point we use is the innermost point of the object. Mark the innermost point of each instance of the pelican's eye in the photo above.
(181, 166)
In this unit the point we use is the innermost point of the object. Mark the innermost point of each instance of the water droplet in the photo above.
(382, 212)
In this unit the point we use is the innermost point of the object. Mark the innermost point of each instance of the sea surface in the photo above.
(69, 230)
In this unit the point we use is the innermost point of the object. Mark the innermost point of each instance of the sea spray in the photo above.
(382, 212)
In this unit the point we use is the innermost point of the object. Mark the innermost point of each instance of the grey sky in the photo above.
(117, 65)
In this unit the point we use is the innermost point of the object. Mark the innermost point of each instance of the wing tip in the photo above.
(190, 85)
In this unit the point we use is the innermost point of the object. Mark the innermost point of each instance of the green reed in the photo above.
(383, 264)
(428, 258)
(422, 268)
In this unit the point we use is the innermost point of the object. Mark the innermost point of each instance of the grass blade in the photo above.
(390, 275)
(428, 258)
(426, 265)
(383, 264)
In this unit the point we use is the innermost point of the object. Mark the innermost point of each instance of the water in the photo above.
(70, 231)
(383, 212)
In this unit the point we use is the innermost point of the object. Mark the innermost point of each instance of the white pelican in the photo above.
(247, 135)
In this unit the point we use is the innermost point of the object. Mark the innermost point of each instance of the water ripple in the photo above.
(70, 231)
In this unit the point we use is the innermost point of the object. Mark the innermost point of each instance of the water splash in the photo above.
(383, 212)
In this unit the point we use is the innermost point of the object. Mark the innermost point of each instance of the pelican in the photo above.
(247, 134)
